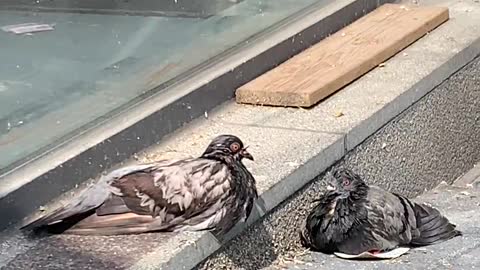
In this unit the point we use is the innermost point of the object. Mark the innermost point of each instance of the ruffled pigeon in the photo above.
(354, 218)
(212, 192)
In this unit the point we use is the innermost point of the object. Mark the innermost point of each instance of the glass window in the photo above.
(96, 55)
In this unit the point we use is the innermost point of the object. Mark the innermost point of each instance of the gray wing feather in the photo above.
(91, 198)
(391, 218)
(408, 223)
(171, 196)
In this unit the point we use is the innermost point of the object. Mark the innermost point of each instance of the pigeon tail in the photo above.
(432, 225)
(82, 206)
(76, 210)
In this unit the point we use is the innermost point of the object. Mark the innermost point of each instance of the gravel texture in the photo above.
(435, 140)
(69, 252)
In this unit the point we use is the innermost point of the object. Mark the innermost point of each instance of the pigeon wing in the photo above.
(91, 198)
(396, 220)
(391, 218)
(163, 197)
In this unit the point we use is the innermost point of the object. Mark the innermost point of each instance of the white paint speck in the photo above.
(292, 164)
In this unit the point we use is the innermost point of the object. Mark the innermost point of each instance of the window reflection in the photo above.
(101, 54)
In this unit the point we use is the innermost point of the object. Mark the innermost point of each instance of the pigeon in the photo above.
(212, 192)
(354, 218)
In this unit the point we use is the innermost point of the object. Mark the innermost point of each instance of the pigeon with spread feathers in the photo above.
(353, 218)
(212, 192)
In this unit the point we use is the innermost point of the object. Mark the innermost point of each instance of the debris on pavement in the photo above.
(28, 28)
(392, 254)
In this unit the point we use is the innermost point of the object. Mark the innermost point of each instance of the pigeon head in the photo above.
(227, 148)
(345, 182)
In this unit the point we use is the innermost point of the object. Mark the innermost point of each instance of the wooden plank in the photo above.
(326, 67)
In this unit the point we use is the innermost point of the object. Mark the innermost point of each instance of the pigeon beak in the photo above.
(246, 154)
(330, 187)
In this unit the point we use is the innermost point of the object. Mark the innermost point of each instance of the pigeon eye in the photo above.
(346, 182)
(235, 147)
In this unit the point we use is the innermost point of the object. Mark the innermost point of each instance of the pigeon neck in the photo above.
(360, 192)
(221, 157)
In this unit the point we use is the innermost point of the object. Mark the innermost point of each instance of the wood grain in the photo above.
(329, 65)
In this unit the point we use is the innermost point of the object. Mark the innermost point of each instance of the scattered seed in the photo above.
(338, 114)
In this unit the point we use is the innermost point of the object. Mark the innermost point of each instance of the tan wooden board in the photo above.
(329, 65)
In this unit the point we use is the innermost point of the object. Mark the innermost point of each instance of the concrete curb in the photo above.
(207, 244)
(359, 133)
(469, 177)
(435, 140)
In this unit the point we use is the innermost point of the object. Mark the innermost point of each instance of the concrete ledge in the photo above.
(366, 105)
(471, 176)
(146, 120)
(291, 146)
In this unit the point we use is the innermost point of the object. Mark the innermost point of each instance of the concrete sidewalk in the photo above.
(434, 140)
(291, 147)
(460, 202)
